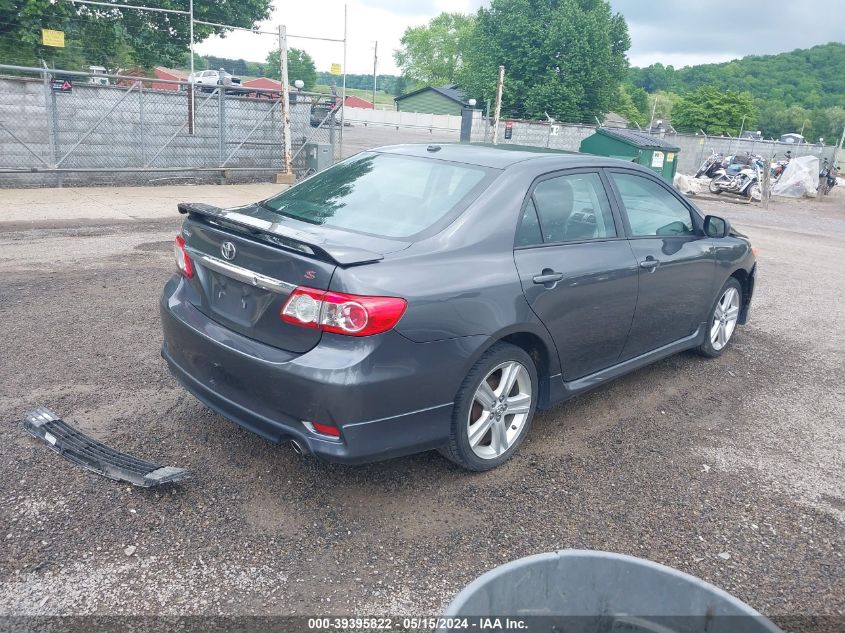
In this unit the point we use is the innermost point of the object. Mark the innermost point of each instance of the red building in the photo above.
(357, 102)
(161, 72)
(262, 83)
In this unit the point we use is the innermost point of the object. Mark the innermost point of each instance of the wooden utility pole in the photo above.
(375, 65)
(498, 111)
(653, 113)
(287, 176)
(192, 80)
(838, 148)
(766, 184)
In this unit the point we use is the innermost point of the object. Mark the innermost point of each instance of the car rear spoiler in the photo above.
(285, 236)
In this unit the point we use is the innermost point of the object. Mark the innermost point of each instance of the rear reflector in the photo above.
(326, 429)
(183, 262)
(353, 315)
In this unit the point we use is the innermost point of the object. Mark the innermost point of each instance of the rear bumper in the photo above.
(388, 395)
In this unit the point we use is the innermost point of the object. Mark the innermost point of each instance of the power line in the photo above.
(129, 6)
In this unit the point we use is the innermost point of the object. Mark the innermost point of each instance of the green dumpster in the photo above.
(638, 147)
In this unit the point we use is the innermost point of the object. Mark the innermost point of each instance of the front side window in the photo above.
(573, 208)
(382, 194)
(651, 209)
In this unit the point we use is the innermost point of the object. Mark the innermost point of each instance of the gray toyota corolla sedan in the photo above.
(419, 297)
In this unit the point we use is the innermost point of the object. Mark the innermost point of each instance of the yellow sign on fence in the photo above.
(336, 69)
(50, 37)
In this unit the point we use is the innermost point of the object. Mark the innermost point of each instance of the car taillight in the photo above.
(183, 262)
(354, 315)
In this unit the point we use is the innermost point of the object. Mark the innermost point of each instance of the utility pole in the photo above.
(286, 177)
(498, 111)
(192, 79)
(839, 146)
(191, 29)
(375, 65)
(653, 113)
(343, 90)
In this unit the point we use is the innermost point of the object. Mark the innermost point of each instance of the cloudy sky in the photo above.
(667, 31)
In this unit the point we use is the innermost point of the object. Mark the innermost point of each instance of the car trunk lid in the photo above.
(246, 267)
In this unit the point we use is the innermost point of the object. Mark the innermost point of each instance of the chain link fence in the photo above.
(695, 148)
(64, 127)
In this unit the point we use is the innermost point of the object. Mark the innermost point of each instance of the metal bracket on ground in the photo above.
(77, 447)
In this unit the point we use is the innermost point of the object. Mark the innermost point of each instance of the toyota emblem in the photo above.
(228, 250)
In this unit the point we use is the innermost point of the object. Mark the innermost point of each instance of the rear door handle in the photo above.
(649, 264)
(548, 276)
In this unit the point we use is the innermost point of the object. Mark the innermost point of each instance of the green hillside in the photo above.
(790, 90)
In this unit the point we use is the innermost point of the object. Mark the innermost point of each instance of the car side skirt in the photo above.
(562, 390)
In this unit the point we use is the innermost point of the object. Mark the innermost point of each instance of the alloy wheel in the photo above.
(724, 319)
(499, 410)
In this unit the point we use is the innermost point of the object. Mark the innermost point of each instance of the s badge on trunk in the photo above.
(228, 250)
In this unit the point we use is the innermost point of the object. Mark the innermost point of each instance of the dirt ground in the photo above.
(732, 469)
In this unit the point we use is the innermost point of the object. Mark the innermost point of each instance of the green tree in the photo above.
(433, 54)
(640, 99)
(564, 57)
(111, 36)
(829, 124)
(714, 112)
(661, 104)
(627, 108)
(811, 79)
(776, 119)
(401, 86)
(300, 66)
(391, 84)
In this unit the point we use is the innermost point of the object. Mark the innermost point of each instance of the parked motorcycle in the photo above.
(742, 178)
(778, 167)
(710, 165)
(827, 178)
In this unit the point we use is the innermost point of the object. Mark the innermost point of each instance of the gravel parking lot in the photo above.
(731, 469)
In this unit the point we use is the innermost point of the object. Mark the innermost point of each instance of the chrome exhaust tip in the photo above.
(297, 447)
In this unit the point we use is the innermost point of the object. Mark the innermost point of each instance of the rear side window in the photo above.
(573, 208)
(383, 194)
(651, 209)
(529, 232)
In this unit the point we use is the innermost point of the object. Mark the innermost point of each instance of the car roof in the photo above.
(498, 156)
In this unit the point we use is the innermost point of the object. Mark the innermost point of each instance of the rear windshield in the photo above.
(382, 194)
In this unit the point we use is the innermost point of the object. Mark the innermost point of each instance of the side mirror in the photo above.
(714, 226)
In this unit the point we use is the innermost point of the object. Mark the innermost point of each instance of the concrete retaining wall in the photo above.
(114, 127)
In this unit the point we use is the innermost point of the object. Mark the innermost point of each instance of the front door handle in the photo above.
(649, 263)
(548, 276)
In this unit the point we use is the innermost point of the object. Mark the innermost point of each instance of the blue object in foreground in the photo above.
(583, 590)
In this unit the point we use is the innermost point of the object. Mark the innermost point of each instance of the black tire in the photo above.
(707, 348)
(714, 189)
(458, 449)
